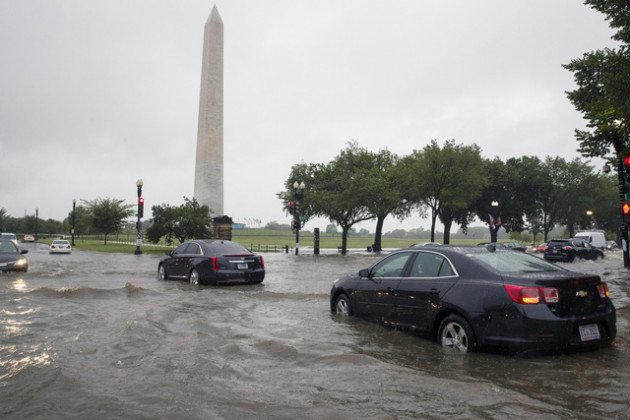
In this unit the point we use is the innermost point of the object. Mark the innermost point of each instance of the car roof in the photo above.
(460, 256)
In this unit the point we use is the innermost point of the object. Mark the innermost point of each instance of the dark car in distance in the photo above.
(212, 261)
(11, 257)
(569, 249)
(479, 298)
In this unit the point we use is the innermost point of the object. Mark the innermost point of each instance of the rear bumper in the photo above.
(534, 332)
(235, 277)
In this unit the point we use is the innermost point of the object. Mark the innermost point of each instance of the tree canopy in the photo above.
(188, 221)
(108, 214)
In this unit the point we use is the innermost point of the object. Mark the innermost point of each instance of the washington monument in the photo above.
(209, 163)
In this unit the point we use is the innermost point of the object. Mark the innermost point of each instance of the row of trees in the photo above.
(109, 215)
(454, 184)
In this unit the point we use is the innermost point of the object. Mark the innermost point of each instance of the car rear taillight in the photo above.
(262, 262)
(602, 288)
(550, 294)
(532, 295)
(215, 263)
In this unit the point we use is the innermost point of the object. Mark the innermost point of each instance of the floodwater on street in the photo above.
(96, 335)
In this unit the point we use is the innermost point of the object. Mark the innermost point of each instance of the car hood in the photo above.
(9, 257)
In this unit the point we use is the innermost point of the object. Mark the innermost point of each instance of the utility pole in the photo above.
(139, 185)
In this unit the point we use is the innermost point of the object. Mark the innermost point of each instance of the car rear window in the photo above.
(514, 262)
(227, 248)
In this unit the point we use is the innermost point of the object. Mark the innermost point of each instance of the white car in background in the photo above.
(60, 246)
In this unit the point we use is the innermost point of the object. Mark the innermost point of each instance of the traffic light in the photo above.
(626, 161)
(625, 209)
(140, 207)
(296, 225)
(292, 208)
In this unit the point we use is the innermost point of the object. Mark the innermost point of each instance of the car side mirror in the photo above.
(169, 253)
(364, 273)
(24, 251)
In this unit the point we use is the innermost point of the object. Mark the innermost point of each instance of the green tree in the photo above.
(603, 80)
(188, 221)
(383, 195)
(336, 190)
(440, 179)
(108, 214)
(341, 187)
(82, 220)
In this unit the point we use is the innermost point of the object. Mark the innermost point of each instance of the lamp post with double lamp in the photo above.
(139, 185)
(74, 209)
(298, 195)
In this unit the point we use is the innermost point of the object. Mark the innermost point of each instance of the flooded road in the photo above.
(92, 335)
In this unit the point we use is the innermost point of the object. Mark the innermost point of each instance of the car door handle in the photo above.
(434, 291)
(389, 289)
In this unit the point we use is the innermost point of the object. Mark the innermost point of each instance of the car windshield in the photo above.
(7, 247)
(514, 262)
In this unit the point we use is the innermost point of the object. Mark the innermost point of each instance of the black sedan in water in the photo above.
(11, 257)
(208, 261)
(478, 298)
(570, 249)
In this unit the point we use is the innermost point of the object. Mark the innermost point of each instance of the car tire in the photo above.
(193, 277)
(456, 333)
(342, 305)
(161, 273)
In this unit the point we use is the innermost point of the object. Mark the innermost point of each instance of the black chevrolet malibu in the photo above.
(479, 298)
(208, 261)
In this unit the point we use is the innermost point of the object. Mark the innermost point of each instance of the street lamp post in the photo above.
(298, 195)
(74, 209)
(495, 221)
(36, 222)
(139, 185)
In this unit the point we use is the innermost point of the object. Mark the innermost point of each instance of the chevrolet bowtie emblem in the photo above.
(581, 293)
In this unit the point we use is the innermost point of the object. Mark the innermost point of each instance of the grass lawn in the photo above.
(259, 240)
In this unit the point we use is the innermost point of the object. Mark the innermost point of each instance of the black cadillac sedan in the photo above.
(478, 298)
(11, 257)
(208, 261)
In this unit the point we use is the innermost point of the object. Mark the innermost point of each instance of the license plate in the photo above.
(242, 266)
(589, 332)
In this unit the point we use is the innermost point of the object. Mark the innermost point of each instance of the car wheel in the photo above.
(161, 273)
(194, 277)
(456, 333)
(342, 305)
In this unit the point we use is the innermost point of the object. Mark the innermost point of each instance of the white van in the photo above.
(594, 237)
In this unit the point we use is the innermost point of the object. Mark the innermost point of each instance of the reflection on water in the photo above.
(101, 337)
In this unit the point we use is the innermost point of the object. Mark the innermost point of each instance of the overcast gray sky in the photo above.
(96, 94)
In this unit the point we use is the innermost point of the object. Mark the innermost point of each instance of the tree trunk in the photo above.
(379, 233)
(344, 239)
(494, 233)
(433, 217)
(447, 231)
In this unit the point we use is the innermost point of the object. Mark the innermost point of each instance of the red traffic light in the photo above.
(141, 200)
(627, 160)
(625, 209)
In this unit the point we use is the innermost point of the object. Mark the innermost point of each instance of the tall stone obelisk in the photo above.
(209, 163)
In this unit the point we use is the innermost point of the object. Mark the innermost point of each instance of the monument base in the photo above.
(222, 228)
